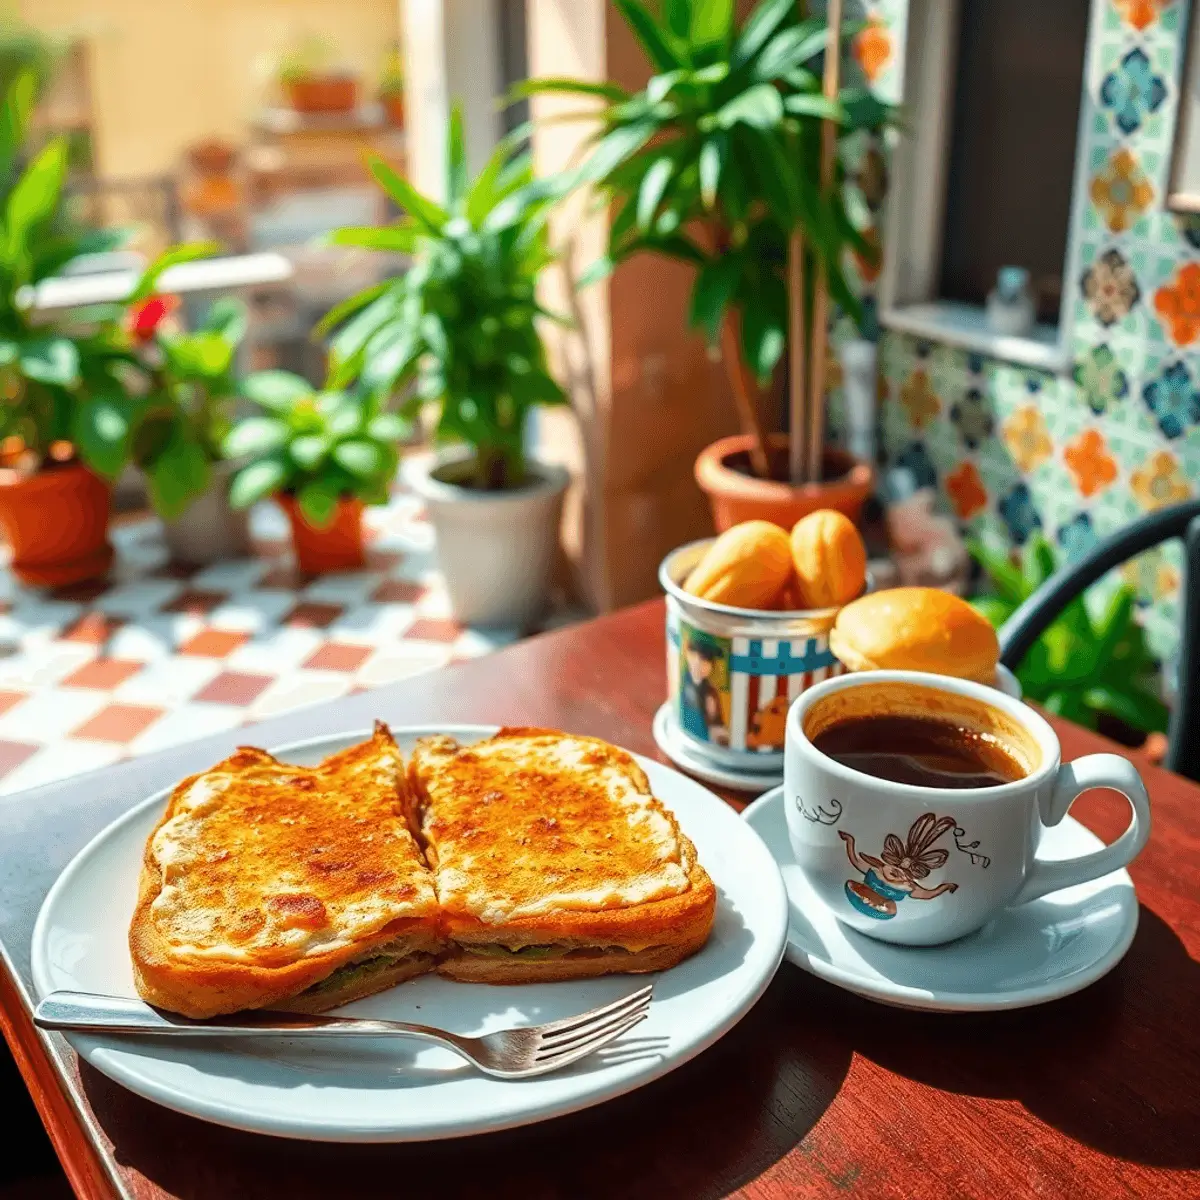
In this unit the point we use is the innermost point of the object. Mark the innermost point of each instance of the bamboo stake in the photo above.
(797, 406)
(797, 399)
(747, 410)
(820, 322)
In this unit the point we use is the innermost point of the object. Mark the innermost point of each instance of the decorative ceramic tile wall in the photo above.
(1013, 450)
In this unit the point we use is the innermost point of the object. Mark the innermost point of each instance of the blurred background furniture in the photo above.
(1027, 624)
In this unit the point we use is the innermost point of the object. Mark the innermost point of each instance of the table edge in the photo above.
(44, 1067)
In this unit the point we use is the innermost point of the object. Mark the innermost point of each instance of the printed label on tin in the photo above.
(735, 692)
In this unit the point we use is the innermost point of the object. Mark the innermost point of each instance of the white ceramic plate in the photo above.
(676, 747)
(392, 1090)
(1027, 955)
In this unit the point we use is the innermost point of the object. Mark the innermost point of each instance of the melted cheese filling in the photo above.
(528, 827)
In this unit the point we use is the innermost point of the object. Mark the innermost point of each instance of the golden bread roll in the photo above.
(746, 567)
(916, 629)
(829, 557)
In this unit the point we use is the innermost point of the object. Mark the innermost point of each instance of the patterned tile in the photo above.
(104, 674)
(81, 593)
(13, 754)
(118, 723)
(51, 763)
(213, 643)
(158, 655)
(432, 630)
(234, 687)
(338, 656)
(301, 688)
(398, 591)
(94, 628)
(51, 714)
(197, 601)
(308, 615)
(186, 724)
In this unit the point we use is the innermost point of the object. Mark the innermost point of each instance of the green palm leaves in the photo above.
(460, 326)
(716, 160)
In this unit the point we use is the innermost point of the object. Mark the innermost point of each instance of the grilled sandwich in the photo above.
(552, 860)
(267, 885)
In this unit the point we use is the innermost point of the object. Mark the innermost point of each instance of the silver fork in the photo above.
(506, 1054)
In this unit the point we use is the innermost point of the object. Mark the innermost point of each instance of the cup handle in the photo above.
(1075, 778)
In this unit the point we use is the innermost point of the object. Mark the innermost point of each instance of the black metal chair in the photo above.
(1028, 623)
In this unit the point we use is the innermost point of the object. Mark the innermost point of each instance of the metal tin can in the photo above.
(732, 673)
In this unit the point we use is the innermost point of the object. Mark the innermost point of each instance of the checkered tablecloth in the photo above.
(156, 654)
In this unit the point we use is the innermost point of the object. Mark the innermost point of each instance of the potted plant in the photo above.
(310, 81)
(460, 330)
(391, 87)
(1095, 670)
(726, 160)
(322, 456)
(52, 505)
(175, 412)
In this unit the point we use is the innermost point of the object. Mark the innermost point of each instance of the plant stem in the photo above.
(496, 470)
(820, 322)
(751, 424)
(797, 407)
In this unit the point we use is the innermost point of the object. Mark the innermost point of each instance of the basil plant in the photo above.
(320, 447)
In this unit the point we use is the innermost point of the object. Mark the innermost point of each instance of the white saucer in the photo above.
(1027, 955)
(676, 747)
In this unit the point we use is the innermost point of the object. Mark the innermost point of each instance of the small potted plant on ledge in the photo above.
(322, 456)
(391, 87)
(310, 81)
(459, 330)
(53, 507)
(176, 413)
(726, 160)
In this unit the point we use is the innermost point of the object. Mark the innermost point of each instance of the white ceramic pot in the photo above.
(496, 549)
(209, 531)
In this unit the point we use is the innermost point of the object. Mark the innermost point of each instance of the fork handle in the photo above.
(83, 1012)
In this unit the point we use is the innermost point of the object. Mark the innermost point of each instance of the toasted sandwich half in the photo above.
(267, 885)
(552, 859)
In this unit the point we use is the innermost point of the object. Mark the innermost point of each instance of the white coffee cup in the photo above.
(923, 865)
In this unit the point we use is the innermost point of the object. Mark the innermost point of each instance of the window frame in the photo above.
(914, 223)
(1182, 197)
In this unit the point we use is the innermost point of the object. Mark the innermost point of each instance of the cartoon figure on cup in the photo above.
(700, 711)
(895, 875)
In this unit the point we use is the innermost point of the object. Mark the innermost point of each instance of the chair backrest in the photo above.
(1028, 623)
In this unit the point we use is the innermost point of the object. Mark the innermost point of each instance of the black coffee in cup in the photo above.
(921, 751)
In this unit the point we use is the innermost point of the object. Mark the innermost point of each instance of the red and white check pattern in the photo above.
(156, 655)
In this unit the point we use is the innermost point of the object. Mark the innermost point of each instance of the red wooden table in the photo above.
(815, 1093)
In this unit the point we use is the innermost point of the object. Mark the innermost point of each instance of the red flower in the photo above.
(143, 318)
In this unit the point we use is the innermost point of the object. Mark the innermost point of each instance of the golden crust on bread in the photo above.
(263, 878)
(916, 629)
(542, 838)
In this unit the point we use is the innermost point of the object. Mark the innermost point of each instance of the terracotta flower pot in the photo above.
(323, 94)
(337, 547)
(393, 107)
(737, 495)
(57, 525)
